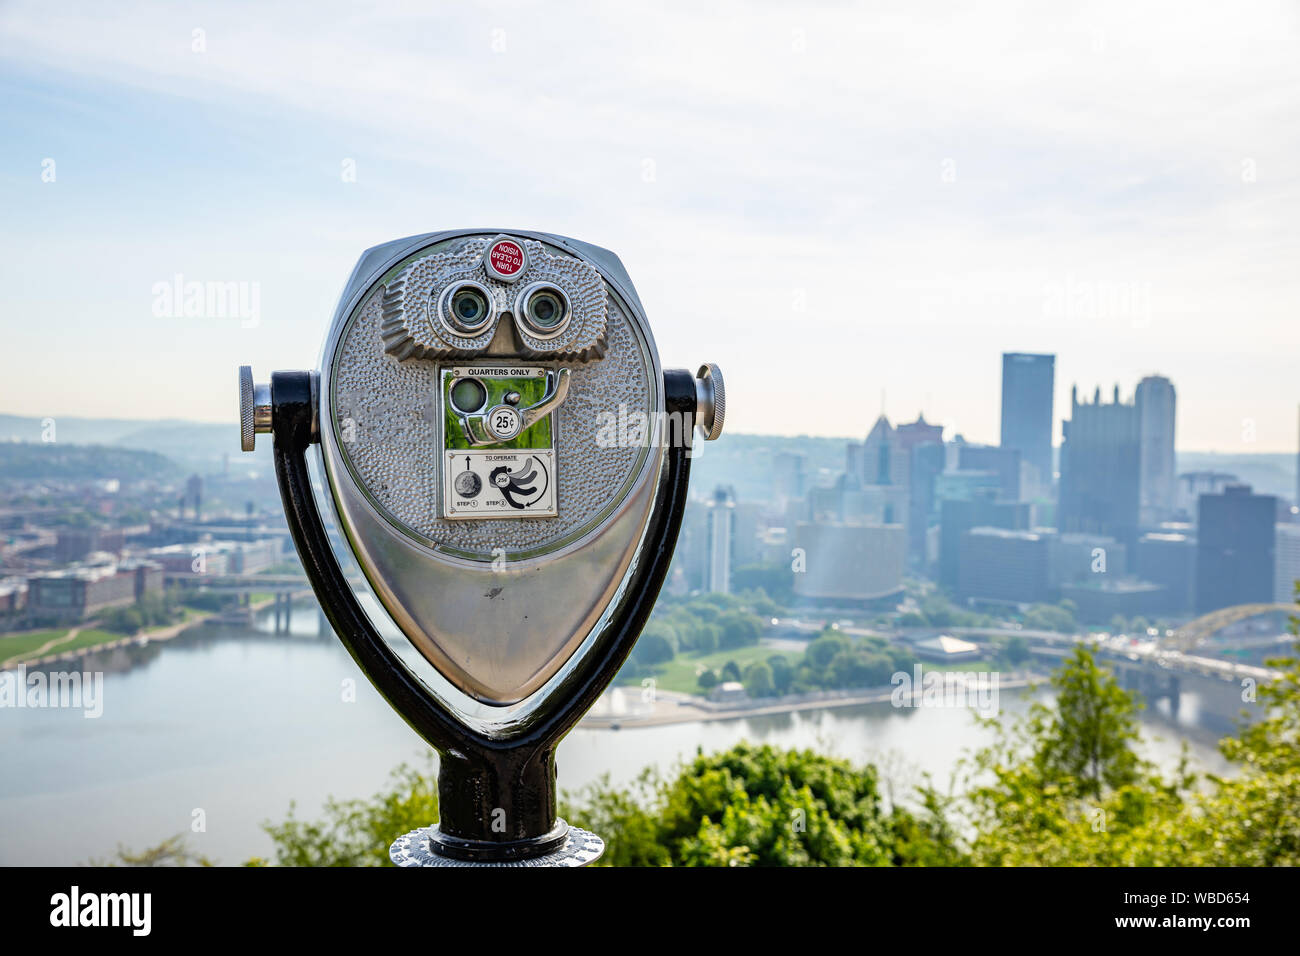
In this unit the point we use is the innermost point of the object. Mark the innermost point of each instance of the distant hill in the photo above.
(197, 446)
(1267, 474)
(40, 460)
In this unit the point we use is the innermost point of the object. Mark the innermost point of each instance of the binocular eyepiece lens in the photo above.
(468, 307)
(468, 310)
(545, 310)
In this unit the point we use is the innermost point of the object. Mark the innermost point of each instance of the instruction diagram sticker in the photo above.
(499, 484)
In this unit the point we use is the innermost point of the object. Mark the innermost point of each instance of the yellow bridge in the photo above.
(1194, 633)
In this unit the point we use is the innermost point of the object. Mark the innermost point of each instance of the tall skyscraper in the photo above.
(1235, 549)
(722, 529)
(927, 464)
(1027, 383)
(1100, 468)
(921, 445)
(1158, 484)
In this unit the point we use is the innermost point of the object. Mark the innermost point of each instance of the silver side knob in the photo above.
(710, 401)
(254, 409)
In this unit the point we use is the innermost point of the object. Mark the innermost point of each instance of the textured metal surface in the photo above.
(581, 848)
(247, 438)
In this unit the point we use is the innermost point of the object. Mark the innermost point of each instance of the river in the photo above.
(228, 725)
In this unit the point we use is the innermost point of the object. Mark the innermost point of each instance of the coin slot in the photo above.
(468, 395)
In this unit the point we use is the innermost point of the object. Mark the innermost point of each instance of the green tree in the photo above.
(758, 680)
(757, 806)
(173, 851)
(939, 611)
(655, 646)
(1088, 739)
(1016, 650)
(706, 639)
(782, 673)
(359, 832)
(774, 580)
(738, 629)
(1050, 617)
(821, 651)
(761, 604)
(1065, 786)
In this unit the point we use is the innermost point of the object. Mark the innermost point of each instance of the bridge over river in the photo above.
(1174, 664)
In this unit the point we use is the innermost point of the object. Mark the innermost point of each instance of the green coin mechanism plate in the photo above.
(508, 479)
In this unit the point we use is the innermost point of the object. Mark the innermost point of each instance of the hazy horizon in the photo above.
(233, 424)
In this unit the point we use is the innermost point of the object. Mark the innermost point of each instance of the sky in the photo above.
(850, 207)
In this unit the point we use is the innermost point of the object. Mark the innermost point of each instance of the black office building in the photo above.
(1027, 383)
(1101, 469)
(1235, 552)
(1169, 560)
(956, 517)
(1004, 461)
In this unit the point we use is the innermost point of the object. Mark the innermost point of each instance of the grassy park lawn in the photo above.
(88, 638)
(24, 642)
(14, 647)
(680, 673)
(972, 666)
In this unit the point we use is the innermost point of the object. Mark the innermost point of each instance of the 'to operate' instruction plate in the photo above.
(499, 484)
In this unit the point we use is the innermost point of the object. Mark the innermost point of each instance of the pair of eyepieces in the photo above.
(541, 308)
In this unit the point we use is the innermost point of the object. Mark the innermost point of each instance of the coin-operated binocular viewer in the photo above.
(508, 463)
